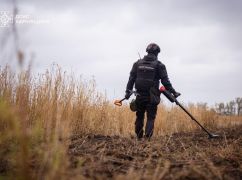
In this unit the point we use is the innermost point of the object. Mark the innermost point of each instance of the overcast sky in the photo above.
(200, 42)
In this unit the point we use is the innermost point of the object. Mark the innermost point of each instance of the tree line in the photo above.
(233, 107)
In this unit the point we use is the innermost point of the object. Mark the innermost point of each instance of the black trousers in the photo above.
(144, 105)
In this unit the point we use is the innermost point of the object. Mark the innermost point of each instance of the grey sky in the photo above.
(200, 42)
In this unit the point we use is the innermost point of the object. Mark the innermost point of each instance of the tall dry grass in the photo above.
(38, 114)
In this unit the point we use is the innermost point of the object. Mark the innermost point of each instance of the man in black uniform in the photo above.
(146, 74)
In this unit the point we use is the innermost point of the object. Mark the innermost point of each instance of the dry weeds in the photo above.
(39, 114)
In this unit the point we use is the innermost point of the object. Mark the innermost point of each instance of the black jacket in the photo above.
(161, 75)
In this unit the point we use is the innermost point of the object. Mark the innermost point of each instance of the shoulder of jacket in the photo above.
(138, 61)
(161, 64)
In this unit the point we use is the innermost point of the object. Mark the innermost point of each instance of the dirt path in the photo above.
(180, 156)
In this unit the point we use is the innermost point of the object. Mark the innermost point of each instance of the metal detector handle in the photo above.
(168, 94)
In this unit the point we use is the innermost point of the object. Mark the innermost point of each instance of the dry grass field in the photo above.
(54, 126)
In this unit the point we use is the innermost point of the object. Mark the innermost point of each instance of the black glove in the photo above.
(176, 94)
(128, 93)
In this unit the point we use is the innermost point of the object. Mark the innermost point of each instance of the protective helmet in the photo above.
(153, 48)
(133, 106)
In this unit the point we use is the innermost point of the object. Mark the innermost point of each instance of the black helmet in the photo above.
(153, 48)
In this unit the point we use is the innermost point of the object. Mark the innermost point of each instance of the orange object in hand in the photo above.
(118, 102)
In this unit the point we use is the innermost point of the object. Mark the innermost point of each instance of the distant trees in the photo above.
(231, 108)
(239, 105)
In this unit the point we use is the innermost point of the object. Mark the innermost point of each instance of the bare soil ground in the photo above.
(179, 156)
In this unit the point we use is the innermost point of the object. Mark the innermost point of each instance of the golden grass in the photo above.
(38, 114)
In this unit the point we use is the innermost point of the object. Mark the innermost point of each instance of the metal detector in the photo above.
(173, 99)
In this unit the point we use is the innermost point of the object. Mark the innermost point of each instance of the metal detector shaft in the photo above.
(122, 99)
(173, 99)
(191, 116)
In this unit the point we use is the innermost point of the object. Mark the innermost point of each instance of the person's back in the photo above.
(145, 75)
